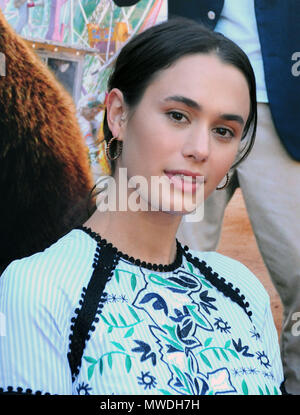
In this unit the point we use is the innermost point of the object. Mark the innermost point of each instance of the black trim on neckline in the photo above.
(148, 265)
(20, 391)
(213, 277)
(94, 297)
(91, 304)
(219, 282)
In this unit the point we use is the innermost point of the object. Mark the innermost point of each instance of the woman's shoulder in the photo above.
(64, 264)
(231, 269)
(239, 276)
(38, 297)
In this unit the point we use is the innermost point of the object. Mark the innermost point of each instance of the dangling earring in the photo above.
(226, 183)
(108, 149)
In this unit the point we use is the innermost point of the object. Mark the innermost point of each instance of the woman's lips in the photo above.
(185, 181)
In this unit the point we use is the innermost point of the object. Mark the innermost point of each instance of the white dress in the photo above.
(83, 318)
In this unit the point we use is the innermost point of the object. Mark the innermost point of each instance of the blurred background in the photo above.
(79, 39)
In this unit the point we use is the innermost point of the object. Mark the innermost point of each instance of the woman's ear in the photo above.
(115, 110)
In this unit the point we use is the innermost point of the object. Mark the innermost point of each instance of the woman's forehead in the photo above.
(202, 78)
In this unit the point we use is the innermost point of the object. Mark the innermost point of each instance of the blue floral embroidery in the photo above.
(244, 349)
(146, 350)
(205, 302)
(147, 380)
(83, 389)
(263, 359)
(182, 339)
(222, 325)
(158, 304)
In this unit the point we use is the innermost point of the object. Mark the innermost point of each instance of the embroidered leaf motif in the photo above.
(196, 316)
(245, 388)
(203, 280)
(190, 267)
(133, 282)
(128, 363)
(90, 371)
(224, 355)
(123, 321)
(207, 341)
(118, 345)
(113, 319)
(110, 329)
(129, 332)
(101, 366)
(104, 319)
(261, 392)
(158, 280)
(172, 331)
(164, 392)
(90, 359)
(182, 377)
(190, 364)
(184, 332)
(218, 350)
(234, 353)
(227, 344)
(117, 275)
(275, 391)
(132, 277)
(158, 304)
(240, 348)
(173, 343)
(179, 373)
(184, 281)
(134, 314)
(205, 360)
(145, 349)
(267, 390)
(109, 360)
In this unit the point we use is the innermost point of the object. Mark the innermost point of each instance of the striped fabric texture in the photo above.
(156, 332)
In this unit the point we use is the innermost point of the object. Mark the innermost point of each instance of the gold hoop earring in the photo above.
(226, 183)
(108, 149)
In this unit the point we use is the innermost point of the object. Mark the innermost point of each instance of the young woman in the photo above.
(118, 306)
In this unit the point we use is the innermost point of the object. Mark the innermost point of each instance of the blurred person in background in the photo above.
(89, 108)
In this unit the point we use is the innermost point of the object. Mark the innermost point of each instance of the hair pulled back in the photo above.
(159, 47)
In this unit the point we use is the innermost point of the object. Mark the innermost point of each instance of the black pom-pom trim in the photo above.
(155, 267)
(20, 391)
(90, 304)
(218, 282)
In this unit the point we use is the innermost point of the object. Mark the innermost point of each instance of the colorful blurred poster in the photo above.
(93, 29)
(79, 40)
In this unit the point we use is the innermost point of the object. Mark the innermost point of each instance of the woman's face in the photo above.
(185, 130)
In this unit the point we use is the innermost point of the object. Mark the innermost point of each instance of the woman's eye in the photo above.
(224, 132)
(177, 116)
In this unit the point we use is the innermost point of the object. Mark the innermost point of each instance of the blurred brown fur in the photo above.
(45, 176)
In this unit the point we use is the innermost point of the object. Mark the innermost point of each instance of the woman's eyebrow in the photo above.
(233, 117)
(194, 105)
(184, 100)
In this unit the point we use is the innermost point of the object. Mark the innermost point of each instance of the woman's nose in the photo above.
(197, 146)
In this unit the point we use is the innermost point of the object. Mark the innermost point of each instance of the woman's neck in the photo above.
(149, 236)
